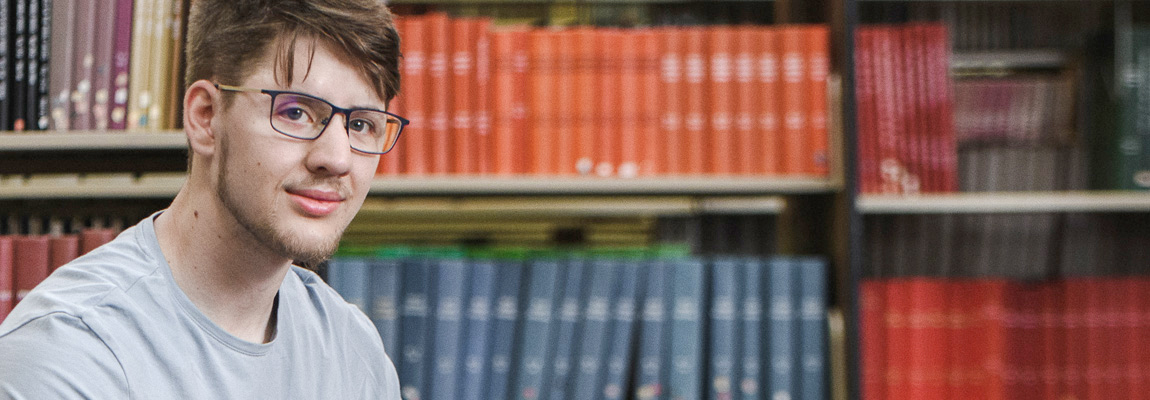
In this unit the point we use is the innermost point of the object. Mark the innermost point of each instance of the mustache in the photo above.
(331, 184)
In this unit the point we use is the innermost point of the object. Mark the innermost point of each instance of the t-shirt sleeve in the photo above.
(57, 356)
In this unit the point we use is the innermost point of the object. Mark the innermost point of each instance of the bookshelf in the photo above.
(1007, 202)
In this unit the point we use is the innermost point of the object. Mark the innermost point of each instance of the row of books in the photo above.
(611, 102)
(90, 65)
(1037, 109)
(906, 138)
(930, 338)
(999, 26)
(26, 260)
(614, 325)
(1026, 246)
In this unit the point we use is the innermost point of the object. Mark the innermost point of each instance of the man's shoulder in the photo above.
(322, 304)
(76, 364)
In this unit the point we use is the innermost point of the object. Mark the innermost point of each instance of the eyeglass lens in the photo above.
(304, 117)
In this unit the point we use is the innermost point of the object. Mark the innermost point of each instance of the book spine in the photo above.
(354, 273)
(105, 24)
(415, 330)
(30, 263)
(90, 239)
(651, 140)
(872, 293)
(812, 294)
(566, 70)
(596, 324)
(631, 93)
(450, 291)
(587, 99)
(478, 330)
(696, 127)
(506, 324)
(618, 360)
(770, 107)
(721, 54)
(818, 67)
(463, 95)
(19, 90)
(569, 313)
(385, 302)
(541, 100)
(747, 136)
(509, 49)
(161, 67)
(440, 90)
(392, 163)
(416, 89)
(121, 65)
(685, 348)
(724, 327)
(653, 363)
(32, 77)
(781, 281)
(937, 57)
(671, 84)
(7, 63)
(483, 105)
(7, 275)
(928, 341)
(63, 249)
(60, 74)
(538, 327)
(794, 118)
(606, 119)
(42, 117)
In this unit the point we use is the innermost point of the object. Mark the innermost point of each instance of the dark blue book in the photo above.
(623, 323)
(450, 291)
(507, 290)
(350, 278)
(384, 293)
(535, 337)
(782, 326)
(686, 329)
(654, 330)
(754, 329)
(589, 373)
(477, 327)
(812, 293)
(417, 276)
(724, 326)
(569, 312)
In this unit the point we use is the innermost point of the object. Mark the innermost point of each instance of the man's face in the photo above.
(294, 196)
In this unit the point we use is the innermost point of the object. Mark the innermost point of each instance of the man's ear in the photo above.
(200, 107)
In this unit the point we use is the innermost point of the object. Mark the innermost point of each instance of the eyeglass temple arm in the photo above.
(237, 88)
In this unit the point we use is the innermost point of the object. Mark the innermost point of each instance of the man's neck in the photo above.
(226, 273)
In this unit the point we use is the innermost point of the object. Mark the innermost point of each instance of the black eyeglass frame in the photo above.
(403, 122)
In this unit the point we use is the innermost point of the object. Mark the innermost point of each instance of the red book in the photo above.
(818, 68)
(1053, 337)
(31, 263)
(1024, 342)
(541, 100)
(417, 139)
(927, 329)
(962, 336)
(721, 105)
(771, 103)
(63, 249)
(440, 92)
(1133, 334)
(483, 104)
(888, 111)
(509, 48)
(898, 350)
(463, 96)
(911, 106)
(795, 120)
(587, 99)
(607, 72)
(7, 273)
(672, 85)
(566, 66)
(1096, 338)
(865, 100)
(747, 135)
(90, 239)
(988, 302)
(631, 94)
(1075, 317)
(940, 102)
(651, 139)
(872, 306)
(697, 149)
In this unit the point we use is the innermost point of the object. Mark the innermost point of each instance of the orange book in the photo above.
(770, 101)
(795, 126)
(7, 286)
(587, 99)
(672, 85)
(747, 135)
(630, 95)
(508, 99)
(417, 140)
(566, 115)
(63, 249)
(31, 263)
(438, 31)
(721, 104)
(695, 68)
(607, 130)
(483, 104)
(542, 134)
(392, 162)
(818, 67)
(651, 141)
(462, 95)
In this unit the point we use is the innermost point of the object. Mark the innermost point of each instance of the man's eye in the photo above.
(360, 125)
(294, 114)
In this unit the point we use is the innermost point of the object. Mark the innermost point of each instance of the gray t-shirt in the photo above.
(113, 324)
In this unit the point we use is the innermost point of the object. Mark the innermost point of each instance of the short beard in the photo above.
(262, 228)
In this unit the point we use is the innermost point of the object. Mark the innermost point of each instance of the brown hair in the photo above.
(227, 37)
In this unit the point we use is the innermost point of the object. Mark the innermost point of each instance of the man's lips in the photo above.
(316, 202)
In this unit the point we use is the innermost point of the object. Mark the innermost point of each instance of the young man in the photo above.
(285, 118)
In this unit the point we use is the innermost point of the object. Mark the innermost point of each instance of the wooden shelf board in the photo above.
(1005, 202)
(701, 186)
(92, 140)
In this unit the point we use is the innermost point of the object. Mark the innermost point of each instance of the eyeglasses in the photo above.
(303, 116)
